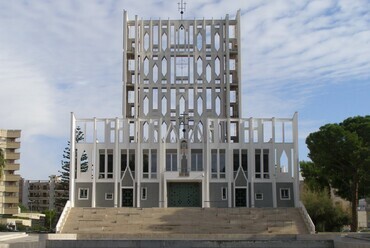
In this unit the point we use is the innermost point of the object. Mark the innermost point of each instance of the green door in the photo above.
(184, 195)
(127, 197)
(240, 197)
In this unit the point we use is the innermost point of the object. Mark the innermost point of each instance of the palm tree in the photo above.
(2, 163)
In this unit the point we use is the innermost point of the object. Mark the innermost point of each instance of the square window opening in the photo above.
(258, 196)
(108, 196)
(144, 192)
(224, 193)
(83, 193)
(285, 194)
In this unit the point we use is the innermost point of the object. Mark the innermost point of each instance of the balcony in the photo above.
(12, 144)
(11, 189)
(12, 156)
(10, 210)
(12, 167)
(10, 133)
(11, 199)
(11, 178)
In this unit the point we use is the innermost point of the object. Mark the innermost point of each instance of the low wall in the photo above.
(329, 240)
(191, 243)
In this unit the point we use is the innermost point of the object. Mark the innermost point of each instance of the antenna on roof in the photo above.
(181, 7)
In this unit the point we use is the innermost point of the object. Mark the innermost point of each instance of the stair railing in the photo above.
(63, 217)
(307, 219)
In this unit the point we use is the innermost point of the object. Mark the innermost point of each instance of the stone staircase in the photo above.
(183, 222)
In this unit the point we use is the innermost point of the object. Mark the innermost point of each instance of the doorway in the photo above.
(127, 197)
(184, 194)
(240, 197)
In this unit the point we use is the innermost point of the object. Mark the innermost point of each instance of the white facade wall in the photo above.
(181, 126)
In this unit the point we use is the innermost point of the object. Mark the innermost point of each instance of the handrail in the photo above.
(63, 217)
(309, 223)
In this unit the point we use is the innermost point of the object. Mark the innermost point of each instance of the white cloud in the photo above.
(26, 95)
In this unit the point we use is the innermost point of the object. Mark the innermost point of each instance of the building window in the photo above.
(149, 163)
(222, 163)
(101, 164)
(214, 163)
(83, 193)
(110, 164)
(108, 196)
(262, 163)
(131, 162)
(285, 194)
(146, 163)
(153, 162)
(224, 193)
(171, 160)
(218, 161)
(266, 174)
(245, 161)
(196, 160)
(105, 163)
(144, 193)
(236, 161)
(258, 196)
(123, 161)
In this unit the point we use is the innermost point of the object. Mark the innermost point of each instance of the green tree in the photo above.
(2, 163)
(314, 177)
(326, 216)
(64, 173)
(23, 208)
(50, 219)
(342, 153)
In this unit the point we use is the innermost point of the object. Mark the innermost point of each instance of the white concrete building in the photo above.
(181, 140)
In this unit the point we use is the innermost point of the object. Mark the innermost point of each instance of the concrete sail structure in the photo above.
(181, 140)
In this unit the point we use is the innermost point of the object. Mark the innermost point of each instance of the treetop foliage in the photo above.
(340, 155)
(65, 171)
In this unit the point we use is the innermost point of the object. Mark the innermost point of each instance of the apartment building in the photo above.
(41, 195)
(9, 181)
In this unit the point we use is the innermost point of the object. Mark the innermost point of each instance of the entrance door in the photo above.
(184, 195)
(127, 197)
(240, 197)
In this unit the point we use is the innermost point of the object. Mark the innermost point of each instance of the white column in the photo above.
(272, 166)
(165, 200)
(72, 163)
(161, 163)
(138, 158)
(251, 159)
(296, 161)
(230, 176)
(124, 63)
(93, 200)
(117, 171)
(239, 64)
(206, 168)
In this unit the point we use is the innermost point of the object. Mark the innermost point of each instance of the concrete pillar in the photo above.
(72, 164)
(116, 170)
(94, 175)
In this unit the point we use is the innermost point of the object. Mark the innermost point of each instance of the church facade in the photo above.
(181, 140)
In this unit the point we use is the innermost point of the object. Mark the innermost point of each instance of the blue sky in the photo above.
(61, 56)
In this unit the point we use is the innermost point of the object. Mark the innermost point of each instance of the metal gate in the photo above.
(127, 197)
(184, 195)
(240, 197)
